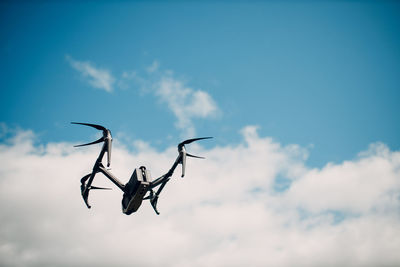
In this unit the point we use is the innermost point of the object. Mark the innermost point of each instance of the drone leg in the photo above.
(85, 189)
(153, 202)
(154, 198)
(84, 178)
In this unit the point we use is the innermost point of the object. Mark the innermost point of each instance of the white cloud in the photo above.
(225, 212)
(98, 78)
(185, 102)
(153, 67)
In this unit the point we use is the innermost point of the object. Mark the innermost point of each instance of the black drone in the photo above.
(140, 182)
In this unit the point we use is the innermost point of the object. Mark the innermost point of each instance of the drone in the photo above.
(140, 183)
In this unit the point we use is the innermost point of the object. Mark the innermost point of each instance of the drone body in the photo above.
(134, 192)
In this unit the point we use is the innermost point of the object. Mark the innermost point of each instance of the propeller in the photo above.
(100, 188)
(184, 154)
(107, 138)
(98, 127)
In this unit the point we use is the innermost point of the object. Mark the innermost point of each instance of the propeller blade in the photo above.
(98, 127)
(192, 140)
(95, 142)
(101, 188)
(193, 156)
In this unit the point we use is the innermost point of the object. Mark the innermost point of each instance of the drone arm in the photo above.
(166, 176)
(161, 187)
(111, 177)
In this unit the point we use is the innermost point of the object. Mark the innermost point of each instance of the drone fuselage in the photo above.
(135, 190)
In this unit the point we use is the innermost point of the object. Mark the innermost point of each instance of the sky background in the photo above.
(324, 74)
(301, 98)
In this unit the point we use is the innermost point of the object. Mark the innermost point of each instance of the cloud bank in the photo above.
(96, 77)
(228, 211)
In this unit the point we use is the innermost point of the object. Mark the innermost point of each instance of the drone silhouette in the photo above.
(140, 182)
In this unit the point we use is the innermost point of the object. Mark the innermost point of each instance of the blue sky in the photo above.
(311, 73)
(301, 97)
